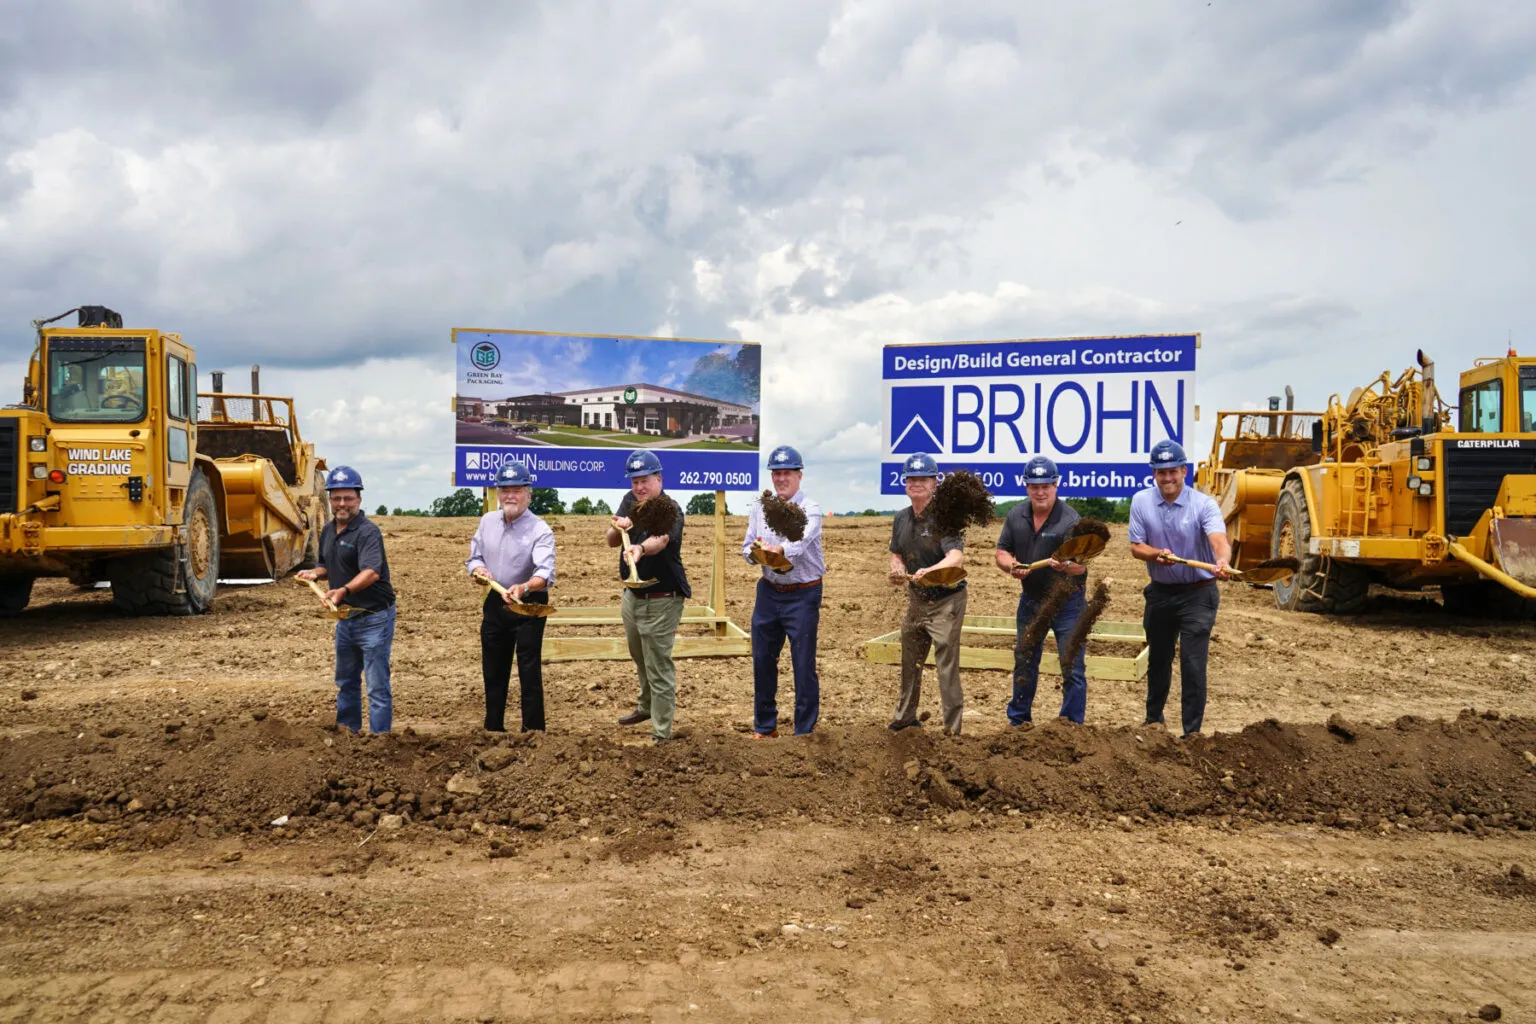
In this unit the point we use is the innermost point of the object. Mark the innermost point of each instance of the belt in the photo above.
(785, 588)
(659, 593)
(1180, 588)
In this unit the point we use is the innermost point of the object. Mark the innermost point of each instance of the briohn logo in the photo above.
(471, 460)
(781, 457)
(631, 396)
(485, 356)
(917, 419)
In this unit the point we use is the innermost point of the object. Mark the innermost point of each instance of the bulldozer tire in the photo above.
(317, 520)
(1486, 599)
(15, 592)
(179, 580)
(1323, 585)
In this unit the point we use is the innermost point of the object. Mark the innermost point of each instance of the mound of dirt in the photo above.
(240, 776)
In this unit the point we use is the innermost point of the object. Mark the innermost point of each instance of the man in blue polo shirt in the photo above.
(352, 558)
(1172, 519)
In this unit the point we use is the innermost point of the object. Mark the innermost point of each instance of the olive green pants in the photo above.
(650, 626)
(932, 625)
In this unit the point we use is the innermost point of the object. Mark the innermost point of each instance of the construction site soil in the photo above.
(187, 836)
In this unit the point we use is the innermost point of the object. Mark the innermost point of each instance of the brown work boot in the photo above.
(635, 718)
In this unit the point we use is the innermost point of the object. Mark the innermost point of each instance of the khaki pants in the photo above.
(650, 626)
(934, 624)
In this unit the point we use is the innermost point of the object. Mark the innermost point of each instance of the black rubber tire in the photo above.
(1486, 599)
(15, 592)
(180, 580)
(317, 520)
(1324, 585)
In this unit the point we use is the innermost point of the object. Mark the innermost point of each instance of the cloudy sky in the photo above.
(1319, 188)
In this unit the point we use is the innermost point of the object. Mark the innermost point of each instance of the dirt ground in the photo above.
(1351, 839)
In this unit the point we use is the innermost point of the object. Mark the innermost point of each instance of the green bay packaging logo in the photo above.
(485, 356)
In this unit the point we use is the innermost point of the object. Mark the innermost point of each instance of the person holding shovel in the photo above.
(514, 549)
(1033, 530)
(935, 614)
(651, 612)
(788, 604)
(352, 557)
(1168, 521)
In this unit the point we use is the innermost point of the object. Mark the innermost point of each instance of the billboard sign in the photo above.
(1095, 406)
(573, 407)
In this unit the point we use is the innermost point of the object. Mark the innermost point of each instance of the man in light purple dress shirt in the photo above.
(788, 605)
(1170, 518)
(517, 549)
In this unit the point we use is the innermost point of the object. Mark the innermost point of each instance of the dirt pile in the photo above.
(1467, 775)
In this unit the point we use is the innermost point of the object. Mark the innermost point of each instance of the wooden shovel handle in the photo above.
(322, 592)
(1207, 566)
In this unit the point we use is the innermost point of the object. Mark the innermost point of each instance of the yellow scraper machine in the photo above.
(113, 467)
(1390, 487)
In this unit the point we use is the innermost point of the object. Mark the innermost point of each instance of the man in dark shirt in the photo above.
(935, 614)
(1033, 530)
(651, 614)
(352, 557)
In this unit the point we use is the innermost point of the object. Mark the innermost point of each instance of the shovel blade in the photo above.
(772, 559)
(1514, 548)
(536, 611)
(638, 584)
(1080, 548)
(945, 577)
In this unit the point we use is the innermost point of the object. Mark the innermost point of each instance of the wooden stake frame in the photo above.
(726, 640)
(886, 649)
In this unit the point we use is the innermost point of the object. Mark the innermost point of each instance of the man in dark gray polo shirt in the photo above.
(935, 614)
(352, 557)
(1032, 531)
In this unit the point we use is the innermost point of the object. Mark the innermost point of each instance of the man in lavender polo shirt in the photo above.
(788, 604)
(1172, 519)
(517, 549)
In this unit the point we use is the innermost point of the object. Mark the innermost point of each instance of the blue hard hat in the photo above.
(1041, 470)
(344, 478)
(919, 464)
(785, 457)
(514, 473)
(1167, 454)
(642, 462)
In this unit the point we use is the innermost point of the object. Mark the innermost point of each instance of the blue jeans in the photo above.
(362, 651)
(1026, 664)
(794, 614)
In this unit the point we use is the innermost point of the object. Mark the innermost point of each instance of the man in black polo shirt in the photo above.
(935, 614)
(651, 614)
(1032, 531)
(352, 552)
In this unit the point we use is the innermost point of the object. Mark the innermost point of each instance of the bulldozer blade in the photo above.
(1514, 548)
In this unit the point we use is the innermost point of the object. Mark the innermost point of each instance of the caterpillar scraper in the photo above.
(1391, 487)
(113, 467)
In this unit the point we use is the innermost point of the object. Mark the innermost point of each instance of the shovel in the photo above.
(945, 577)
(1268, 571)
(529, 608)
(772, 559)
(634, 582)
(331, 610)
(1078, 549)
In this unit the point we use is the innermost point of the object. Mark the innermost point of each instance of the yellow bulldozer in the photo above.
(113, 467)
(1391, 487)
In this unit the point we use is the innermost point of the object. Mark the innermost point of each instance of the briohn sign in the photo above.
(1096, 406)
(572, 407)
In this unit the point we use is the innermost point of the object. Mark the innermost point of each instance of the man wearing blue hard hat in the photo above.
(788, 604)
(651, 614)
(935, 614)
(516, 549)
(352, 558)
(1031, 532)
(1172, 519)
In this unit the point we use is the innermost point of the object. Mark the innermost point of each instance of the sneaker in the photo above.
(765, 735)
(635, 718)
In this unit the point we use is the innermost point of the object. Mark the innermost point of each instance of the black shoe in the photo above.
(898, 726)
(634, 718)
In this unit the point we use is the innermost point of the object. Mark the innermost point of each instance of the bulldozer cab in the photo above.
(96, 380)
(1498, 396)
